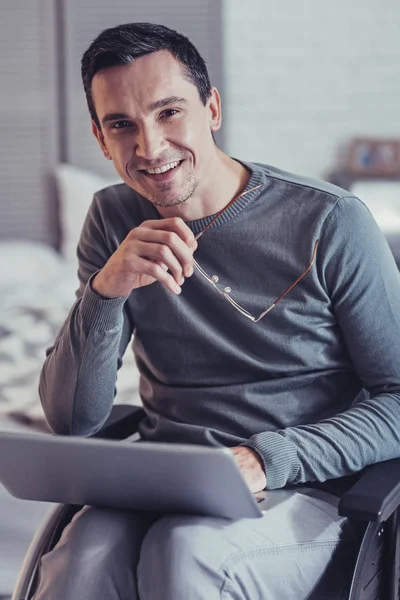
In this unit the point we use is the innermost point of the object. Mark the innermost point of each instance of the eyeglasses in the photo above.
(225, 292)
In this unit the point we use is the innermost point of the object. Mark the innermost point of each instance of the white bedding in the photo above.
(37, 290)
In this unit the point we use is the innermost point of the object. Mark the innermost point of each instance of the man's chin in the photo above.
(167, 202)
(167, 198)
(163, 198)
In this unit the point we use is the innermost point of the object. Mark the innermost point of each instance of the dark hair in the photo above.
(122, 44)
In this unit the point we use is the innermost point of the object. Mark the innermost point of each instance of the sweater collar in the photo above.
(257, 177)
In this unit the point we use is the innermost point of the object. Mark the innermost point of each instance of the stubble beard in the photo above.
(167, 196)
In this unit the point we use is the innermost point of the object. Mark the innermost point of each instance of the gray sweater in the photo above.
(314, 387)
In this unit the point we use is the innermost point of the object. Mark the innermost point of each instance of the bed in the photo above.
(36, 293)
(37, 290)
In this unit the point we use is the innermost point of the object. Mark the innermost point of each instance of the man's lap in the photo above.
(281, 555)
(290, 553)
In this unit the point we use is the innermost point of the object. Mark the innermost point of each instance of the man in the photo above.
(265, 314)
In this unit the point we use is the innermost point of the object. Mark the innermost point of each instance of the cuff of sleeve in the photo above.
(279, 456)
(101, 313)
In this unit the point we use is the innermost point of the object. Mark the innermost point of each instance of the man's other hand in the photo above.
(251, 466)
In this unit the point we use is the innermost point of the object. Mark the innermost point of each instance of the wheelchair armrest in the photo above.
(122, 422)
(376, 494)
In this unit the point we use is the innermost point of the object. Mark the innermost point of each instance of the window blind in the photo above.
(28, 119)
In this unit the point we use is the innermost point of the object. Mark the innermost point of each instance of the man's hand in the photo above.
(160, 250)
(251, 466)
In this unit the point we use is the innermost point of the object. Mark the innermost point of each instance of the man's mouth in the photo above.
(163, 173)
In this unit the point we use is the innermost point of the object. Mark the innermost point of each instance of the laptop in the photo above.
(161, 477)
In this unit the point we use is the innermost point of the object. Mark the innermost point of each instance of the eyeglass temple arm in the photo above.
(301, 276)
(291, 287)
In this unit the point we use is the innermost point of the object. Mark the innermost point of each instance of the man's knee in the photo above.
(97, 532)
(184, 554)
(96, 556)
(188, 537)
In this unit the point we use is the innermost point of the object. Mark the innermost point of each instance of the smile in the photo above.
(162, 169)
(163, 174)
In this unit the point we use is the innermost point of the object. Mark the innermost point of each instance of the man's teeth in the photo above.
(163, 169)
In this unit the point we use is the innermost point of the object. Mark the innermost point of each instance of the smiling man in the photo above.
(251, 295)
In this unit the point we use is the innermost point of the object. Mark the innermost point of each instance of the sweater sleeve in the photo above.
(357, 269)
(77, 382)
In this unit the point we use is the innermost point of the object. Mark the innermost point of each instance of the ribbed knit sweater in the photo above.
(314, 387)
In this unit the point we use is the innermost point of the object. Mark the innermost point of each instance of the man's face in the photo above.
(152, 118)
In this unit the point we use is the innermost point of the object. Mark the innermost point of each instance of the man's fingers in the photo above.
(159, 250)
(168, 241)
(154, 270)
(161, 254)
(176, 225)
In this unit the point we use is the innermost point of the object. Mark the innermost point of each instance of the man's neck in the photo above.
(227, 180)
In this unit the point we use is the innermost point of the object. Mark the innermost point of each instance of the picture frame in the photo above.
(374, 157)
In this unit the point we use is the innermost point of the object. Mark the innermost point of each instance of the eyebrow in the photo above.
(151, 107)
(165, 102)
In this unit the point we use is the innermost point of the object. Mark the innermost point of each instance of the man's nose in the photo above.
(150, 143)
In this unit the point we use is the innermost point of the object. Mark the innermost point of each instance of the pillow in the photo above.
(76, 188)
(27, 262)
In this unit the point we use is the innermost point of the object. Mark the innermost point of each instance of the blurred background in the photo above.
(309, 86)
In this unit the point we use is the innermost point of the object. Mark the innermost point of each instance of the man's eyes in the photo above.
(169, 112)
(122, 125)
(165, 114)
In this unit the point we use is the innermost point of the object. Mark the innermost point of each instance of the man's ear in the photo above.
(215, 111)
(100, 138)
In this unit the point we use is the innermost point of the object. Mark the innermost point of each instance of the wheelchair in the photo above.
(373, 502)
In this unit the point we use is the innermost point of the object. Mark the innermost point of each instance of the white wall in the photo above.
(303, 76)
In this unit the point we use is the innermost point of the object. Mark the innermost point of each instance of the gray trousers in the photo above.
(300, 549)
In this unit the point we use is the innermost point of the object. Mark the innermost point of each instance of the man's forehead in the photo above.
(145, 80)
